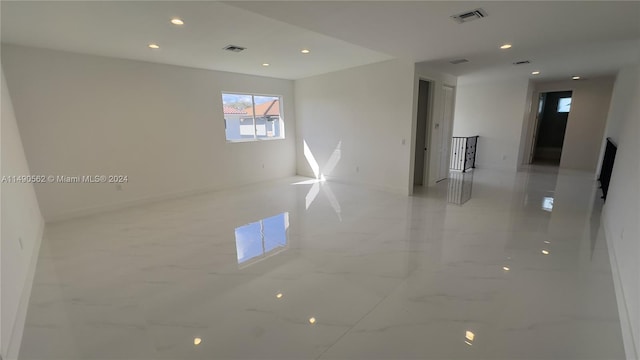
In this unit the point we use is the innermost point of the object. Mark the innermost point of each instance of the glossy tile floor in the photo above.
(488, 265)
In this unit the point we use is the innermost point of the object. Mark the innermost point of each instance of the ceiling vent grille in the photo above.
(459, 61)
(522, 62)
(469, 16)
(234, 48)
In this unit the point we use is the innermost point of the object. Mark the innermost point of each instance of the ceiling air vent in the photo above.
(522, 62)
(234, 48)
(459, 61)
(469, 16)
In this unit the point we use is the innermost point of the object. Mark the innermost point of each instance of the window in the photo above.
(252, 117)
(564, 105)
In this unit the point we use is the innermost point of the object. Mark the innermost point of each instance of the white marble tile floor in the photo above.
(294, 269)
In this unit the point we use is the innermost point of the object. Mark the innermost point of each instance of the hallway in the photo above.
(518, 271)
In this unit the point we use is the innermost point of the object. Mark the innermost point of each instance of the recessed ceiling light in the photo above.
(535, 73)
(177, 21)
(265, 64)
(546, 252)
(576, 78)
(469, 335)
(197, 341)
(279, 295)
(312, 320)
(505, 268)
(154, 46)
(305, 51)
(505, 46)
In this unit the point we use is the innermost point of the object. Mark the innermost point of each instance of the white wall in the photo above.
(438, 80)
(493, 106)
(20, 230)
(622, 208)
(366, 111)
(160, 125)
(585, 126)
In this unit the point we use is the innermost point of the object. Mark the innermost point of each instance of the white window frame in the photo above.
(255, 129)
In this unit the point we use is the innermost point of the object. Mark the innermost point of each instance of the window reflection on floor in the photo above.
(260, 239)
(547, 203)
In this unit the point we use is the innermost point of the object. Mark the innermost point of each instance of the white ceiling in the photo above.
(124, 29)
(559, 38)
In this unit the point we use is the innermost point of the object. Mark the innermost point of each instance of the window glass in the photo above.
(564, 105)
(252, 117)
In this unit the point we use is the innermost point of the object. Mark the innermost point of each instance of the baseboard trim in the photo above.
(15, 339)
(491, 166)
(630, 346)
(388, 189)
(149, 200)
(125, 204)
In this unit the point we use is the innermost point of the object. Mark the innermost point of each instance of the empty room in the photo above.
(320, 180)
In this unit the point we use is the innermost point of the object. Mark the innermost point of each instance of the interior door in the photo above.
(445, 127)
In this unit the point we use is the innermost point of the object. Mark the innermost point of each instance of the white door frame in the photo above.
(414, 129)
(446, 129)
(532, 118)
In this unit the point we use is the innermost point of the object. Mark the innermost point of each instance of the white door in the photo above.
(444, 133)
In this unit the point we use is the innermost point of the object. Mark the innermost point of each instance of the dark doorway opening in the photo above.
(419, 167)
(553, 113)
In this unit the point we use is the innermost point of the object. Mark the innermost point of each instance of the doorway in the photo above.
(421, 133)
(551, 124)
